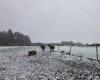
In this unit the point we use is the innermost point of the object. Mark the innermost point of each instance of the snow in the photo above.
(16, 65)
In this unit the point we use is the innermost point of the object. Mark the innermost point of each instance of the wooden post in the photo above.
(58, 48)
(70, 49)
(97, 52)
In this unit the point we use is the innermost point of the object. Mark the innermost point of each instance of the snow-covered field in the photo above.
(16, 65)
(86, 51)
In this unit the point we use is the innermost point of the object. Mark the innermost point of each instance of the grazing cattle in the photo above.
(32, 53)
(52, 47)
(43, 47)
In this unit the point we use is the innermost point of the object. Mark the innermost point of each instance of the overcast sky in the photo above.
(52, 20)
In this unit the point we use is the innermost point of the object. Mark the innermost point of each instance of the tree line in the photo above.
(10, 38)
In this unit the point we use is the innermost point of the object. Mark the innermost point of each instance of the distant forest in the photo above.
(10, 38)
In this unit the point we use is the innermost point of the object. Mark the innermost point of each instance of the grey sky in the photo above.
(52, 20)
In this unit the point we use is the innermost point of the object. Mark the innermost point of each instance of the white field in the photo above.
(86, 51)
(16, 65)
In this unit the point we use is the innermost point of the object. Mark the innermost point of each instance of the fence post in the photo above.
(97, 52)
(70, 49)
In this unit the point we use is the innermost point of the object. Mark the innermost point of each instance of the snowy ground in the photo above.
(16, 65)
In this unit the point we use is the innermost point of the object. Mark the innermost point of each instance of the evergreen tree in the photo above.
(14, 39)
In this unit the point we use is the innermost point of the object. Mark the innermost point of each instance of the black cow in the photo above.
(43, 47)
(52, 47)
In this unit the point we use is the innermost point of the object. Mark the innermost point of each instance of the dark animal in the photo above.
(52, 47)
(43, 47)
(32, 53)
